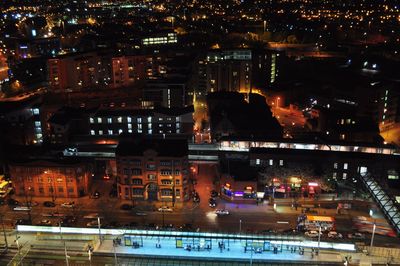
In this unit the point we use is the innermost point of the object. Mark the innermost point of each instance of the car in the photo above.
(312, 234)
(212, 203)
(164, 209)
(214, 193)
(356, 236)
(196, 199)
(334, 234)
(69, 204)
(23, 221)
(13, 202)
(95, 195)
(49, 204)
(45, 222)
(91, 216)
(222, 212)
(32, 204)
(126, 207)
(92, 224)
(106, 177)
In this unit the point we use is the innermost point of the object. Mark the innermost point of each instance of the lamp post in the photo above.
(65, 247)
(319, 237)
(373, 235)
(240, 226)
(98, 223)
(4, 233)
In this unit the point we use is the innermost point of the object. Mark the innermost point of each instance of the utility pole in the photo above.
(98, 223)
(319, 237)
(4, 233)
(373, 235)
(65, 246)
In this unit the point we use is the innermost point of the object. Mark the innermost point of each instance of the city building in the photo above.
(62, 178)
(159, 121)
(166, 92)
(21, 121)
(160, 39)
(238, 181)
(231, 115)
(153, 169)
(343, 124)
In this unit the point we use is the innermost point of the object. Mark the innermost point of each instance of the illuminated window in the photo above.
(335, 165)
(258, 161)
(109, 120)
(92, 132)
(345, 166)
(271, 162)
(281, 162)
(99, 120)
(344, 175)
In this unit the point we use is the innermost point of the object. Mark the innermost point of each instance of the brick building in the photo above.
(55, 178)
(153, 169)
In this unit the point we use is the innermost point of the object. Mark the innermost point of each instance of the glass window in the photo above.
(119, 119)
(271, 162)
(100, 132)
(129, 119)
(92, 132)
(345, 166)
(99, 120)
(91, 120)
(109, 120)
(258, 161)
(281, 162)
(110, 132)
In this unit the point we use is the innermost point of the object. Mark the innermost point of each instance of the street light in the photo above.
(240, 226)
(373, 235)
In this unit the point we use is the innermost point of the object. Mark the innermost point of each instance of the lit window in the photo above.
(258, 161)
(129, 126)
(91, 120)
(281, 162)
(335, 165)
(129, 119)
(99, 120)
(139, 120)
(110, 132)
(92, 132)
(109, 120)
(344, 175)
(150, 131)
(100, 132)
(271, 162)
(119, 119)
(345, 166)
(120, 131)
(149, 119)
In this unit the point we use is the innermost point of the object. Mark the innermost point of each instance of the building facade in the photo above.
(56, 179)
(153, 170)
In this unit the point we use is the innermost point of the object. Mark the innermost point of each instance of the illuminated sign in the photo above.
(313, 184)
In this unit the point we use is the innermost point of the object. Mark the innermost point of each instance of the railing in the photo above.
(386, 204)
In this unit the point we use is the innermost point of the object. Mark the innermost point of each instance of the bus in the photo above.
(313, 222)
(366, 225)
(5, 187)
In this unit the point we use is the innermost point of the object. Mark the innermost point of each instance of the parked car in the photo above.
(196, 198)
(23, 221)
(95, 195)
(334, 234)
(222, 212)
(92, 224)
(45, 222)
(312, 234)
(49, 204)
(164, 209)
(126, 207)
(212, 203)
(356, 236)
(69, 204)
(12, 202)
(214, 193)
